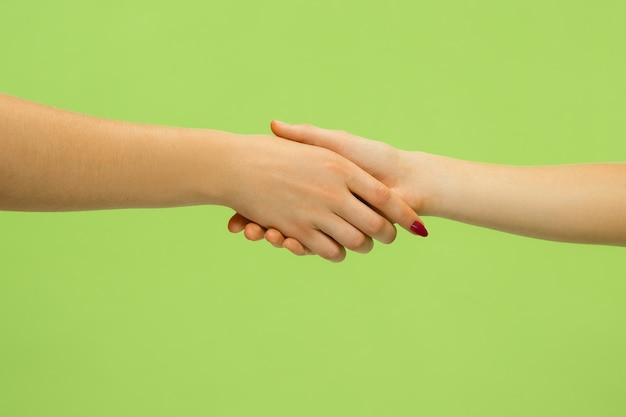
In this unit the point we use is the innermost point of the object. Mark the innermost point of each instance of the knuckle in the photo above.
(357, 242)
(377, 225)
(337, 164)
(382, 195)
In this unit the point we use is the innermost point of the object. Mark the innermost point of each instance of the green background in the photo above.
(163, 312)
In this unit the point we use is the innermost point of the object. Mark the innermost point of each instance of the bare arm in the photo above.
(577, 203)
(55, 160)
(573, 203)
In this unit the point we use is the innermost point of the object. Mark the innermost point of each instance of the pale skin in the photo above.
(55, 160)
(583, 203)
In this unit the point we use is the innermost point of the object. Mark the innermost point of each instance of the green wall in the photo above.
(164, 313)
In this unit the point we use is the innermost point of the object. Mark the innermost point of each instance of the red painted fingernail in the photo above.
(419, 229)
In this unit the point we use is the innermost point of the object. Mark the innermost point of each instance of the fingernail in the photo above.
(419, 229)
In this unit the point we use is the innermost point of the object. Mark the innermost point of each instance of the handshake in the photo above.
(330, 201)
(347, 197)
(310, 190)
(337, 191)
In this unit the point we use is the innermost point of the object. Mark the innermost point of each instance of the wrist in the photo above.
(425, 174)
(214, 166)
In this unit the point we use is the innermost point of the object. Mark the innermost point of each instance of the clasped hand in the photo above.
(329, 203)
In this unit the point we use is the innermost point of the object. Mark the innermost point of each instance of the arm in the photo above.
(54, 160)
(583, 203)
(576, 203)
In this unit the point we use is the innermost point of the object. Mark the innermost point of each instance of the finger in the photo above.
(368, 220)
(347, 235)
(324, 246)
(274, 237)
(334, 140)
(277, 239)
(237, 223)
(295, 247)
(377, 195)
(254, 232)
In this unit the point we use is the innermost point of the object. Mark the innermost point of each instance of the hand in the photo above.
(393, 167)
(310, 194)
(382, 161)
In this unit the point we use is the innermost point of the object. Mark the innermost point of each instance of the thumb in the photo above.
(377, 158)
(333, 140)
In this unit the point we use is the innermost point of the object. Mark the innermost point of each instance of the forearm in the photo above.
(576, 203)
(54, 160)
